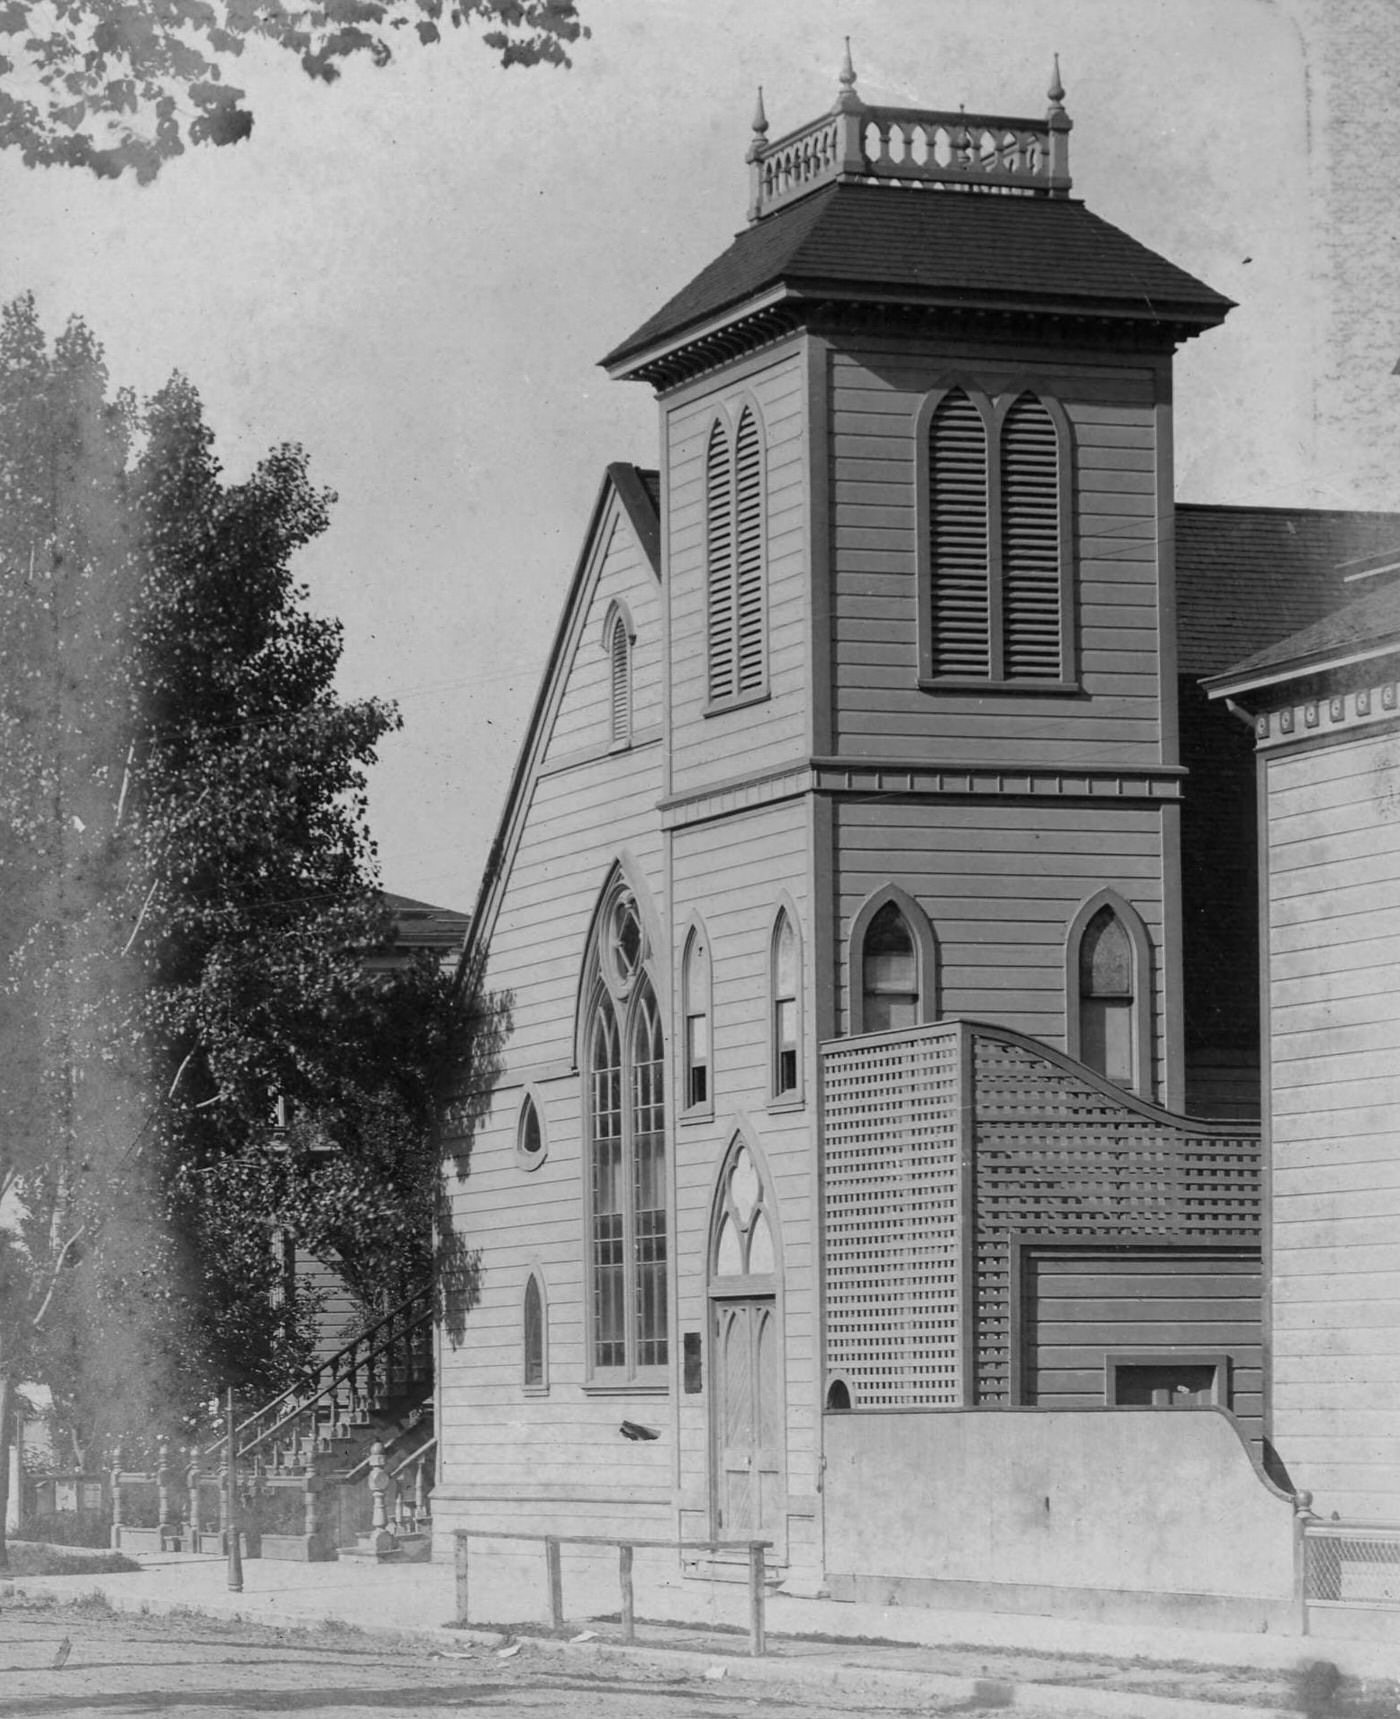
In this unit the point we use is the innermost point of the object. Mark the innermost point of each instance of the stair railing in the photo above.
(343, 1389)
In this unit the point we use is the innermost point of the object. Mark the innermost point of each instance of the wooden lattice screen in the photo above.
(894, 1205)
(1058, 1155)
(1038, 1146)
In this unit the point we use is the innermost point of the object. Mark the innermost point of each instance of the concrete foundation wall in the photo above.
(1056, 1505)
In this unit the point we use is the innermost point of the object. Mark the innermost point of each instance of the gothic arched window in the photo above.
(995, 594)
(624, 1076)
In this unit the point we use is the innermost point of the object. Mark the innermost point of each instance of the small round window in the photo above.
(531, 1147)
(626, 938)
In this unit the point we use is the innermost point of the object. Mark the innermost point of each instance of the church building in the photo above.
(870, 927)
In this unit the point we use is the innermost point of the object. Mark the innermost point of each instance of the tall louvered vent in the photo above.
(720, 565)
(734, 560)
(961, 607)
(1030, 544)
(620, 652)
(748, 536)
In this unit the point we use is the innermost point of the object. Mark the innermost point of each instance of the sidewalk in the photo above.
(1037, 1664)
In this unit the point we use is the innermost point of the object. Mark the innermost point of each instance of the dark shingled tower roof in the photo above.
(930, 211)
(864, 243)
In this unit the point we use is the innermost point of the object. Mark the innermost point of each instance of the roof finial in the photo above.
(848, 101)
(1056, 92)
(760, 118)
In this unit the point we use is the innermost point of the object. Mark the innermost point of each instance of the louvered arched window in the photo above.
(736, 625)
(958, 539)
(995, 588)
(620, 668)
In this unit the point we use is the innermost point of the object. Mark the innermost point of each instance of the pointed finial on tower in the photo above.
(1056, 92)
(760, 118)
(849, 98)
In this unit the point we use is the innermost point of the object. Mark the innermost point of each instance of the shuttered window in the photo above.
(995, 589)
(1030, 543)
(736, 624)
(620, 655)
(958, 503)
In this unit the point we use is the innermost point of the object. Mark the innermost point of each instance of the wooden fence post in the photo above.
(192, 1498)
(758, 1645)
(312, 1518)
(459, 1539)
(629, 1610)
(164, 1518)
(556, 1582)
(116, 1534)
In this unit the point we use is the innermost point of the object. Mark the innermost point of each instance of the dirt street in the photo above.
(191, 1667)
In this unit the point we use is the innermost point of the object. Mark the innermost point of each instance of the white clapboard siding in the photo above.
(738, 872)
(878, 708)
(1333, 914)
(584, 805)
(1000, 884)
(769, 614)
(1080, 1309)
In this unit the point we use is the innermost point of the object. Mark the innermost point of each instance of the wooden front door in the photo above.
(748, 1418)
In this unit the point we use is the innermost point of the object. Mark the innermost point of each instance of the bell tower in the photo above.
(918, 524)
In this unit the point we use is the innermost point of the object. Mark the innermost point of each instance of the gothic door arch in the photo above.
(747, 1429)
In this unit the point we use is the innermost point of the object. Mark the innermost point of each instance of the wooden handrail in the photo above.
(626, 1545)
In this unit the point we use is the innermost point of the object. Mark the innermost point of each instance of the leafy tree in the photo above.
(190, 899)
(117, 84)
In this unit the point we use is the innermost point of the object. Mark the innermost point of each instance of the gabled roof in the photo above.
(419, 925)
(1366, 628)
(921, 247)
(638, 491)
(1247, 577)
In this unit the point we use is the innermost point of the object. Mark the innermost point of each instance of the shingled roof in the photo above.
(1368, 627)
(1248, 577)
(907, 246)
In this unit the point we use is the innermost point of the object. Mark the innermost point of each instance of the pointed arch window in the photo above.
(743, 1246)
(892, 967)
(620, 674)
(889, 972)
(625, 1084)
(535, 1336)
(1106, 998)
(736, 622)
(785, 1005)
(995, 593)
(695, 1015)
(1109, 963)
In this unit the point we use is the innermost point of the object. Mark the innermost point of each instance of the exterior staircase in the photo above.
(356, 1429)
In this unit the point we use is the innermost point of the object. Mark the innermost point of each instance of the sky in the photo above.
(413, 273)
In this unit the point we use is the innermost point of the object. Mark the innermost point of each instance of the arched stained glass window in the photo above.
(625, 1085)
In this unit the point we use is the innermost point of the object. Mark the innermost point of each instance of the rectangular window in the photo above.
(697, 1061)
(785, 1033)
